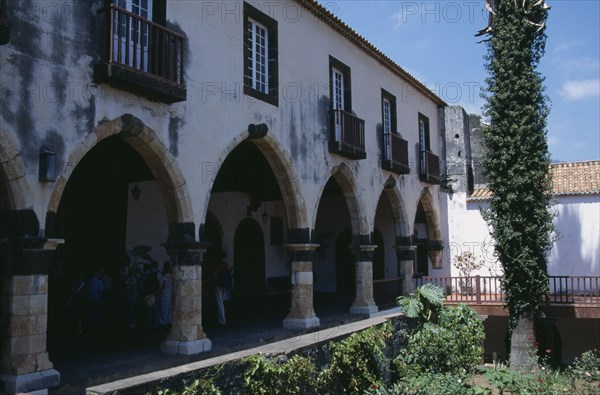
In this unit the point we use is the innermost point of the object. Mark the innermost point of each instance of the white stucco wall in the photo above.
(230, 209)
(576, 252)
(144, 229)
(56, 100)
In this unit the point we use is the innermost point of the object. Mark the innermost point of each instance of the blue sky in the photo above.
(434, 41)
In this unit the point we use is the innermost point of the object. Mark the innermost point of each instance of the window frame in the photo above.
(254, 17)
(425, 138)
(336, 65)
(387, 96)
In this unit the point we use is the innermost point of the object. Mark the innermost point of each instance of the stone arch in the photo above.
(12, 169)
(281, 165)
(159, 160)
(344, 177)
(433, 226)
(401, 223)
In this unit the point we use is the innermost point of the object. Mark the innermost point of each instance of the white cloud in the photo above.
(580, 65)
(567, 46)
(576, 90)
(553, 141)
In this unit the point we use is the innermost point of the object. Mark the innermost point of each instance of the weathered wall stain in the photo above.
(175, 124)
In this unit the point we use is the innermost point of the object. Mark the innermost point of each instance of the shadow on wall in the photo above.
(576, 252)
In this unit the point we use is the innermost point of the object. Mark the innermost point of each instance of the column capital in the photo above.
(367, 247)
(301, 252)
(301, 246)
(364, 252)
(405, 247)
(186, 252)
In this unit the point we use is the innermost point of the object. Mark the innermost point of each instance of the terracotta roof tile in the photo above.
(569, 178)
(576, 178)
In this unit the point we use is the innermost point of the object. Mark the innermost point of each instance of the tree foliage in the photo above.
(516, 157)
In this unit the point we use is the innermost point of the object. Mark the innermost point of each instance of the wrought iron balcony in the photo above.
(395, 154)
(346, 135)
(142, 57)
(429, 167)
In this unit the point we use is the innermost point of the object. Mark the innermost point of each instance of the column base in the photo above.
(301, 323)
(364, 310)
(186, 348)
(33, 383)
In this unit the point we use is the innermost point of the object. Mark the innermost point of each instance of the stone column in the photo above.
(187, 336)
(25, 366)
(364, 302)
(405, 251)
(302, 314)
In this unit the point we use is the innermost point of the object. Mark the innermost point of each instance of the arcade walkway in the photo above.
(81, 372)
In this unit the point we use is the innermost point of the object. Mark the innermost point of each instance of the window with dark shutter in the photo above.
(260, 56)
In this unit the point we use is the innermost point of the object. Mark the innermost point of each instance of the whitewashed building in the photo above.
(573, 318)
(270, 130)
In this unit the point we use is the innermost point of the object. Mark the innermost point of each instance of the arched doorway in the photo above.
(247, 201)
(379, 267)
(4, 251)
(249, 267)
(212, 234)
(421, 232)
(345, 269)
(336, 229)
(113, 218)
(427, 237)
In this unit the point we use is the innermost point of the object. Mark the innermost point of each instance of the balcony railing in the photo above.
(347, 134)
(395, 154)
(143, 56)
(577, 290)
(429, 167)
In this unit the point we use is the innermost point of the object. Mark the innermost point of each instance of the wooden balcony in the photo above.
(570, 296)
(395, 154)
(346, 135)
(142, 57)
(429, 167)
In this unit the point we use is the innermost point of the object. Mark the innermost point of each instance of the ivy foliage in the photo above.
(516, 157)
(295, 375)
(357, 362)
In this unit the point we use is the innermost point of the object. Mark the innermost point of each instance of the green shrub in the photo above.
(283, 376)
(357, 362)
(587, 366)
(469, 334)
(202, 386)
(542, 381)
(431, 384)
(455, 345)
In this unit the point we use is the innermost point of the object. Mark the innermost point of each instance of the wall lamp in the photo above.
(135, 192)
(47, 165)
